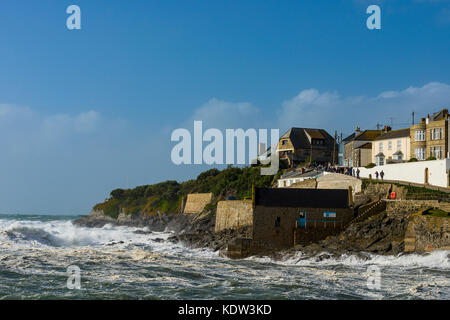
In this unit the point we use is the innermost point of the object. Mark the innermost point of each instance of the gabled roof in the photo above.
(439, 115)
(299, 174)
(367, 145)
(301, 198)
(394, 134)
(367, 135)
(349, 138)
(299, 138)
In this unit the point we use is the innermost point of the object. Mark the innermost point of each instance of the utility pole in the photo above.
(343, 149)
(334, 147)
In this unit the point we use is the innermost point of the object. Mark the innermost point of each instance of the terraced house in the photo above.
(430, 137)
(299, 145)
(358, 147)
(393, 146)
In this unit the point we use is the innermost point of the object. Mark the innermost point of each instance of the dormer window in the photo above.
(284, 142)
(317, 141)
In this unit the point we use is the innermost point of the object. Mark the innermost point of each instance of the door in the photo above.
(301, 222)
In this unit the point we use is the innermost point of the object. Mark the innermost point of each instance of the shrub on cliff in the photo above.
(166, 196)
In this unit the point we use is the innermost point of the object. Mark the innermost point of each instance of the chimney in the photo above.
(357, 129)
(422, 120)
(262, 148)
(428, 119)
(386, 129)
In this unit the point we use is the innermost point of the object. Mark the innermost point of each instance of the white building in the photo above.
(433, 172)
(289, 178)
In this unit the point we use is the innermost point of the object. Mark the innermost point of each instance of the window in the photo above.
(284, 142)
(390, 145)
(317, 141)
(419, 153)
(399, 144)
(278, 222)
(380, 160)
(380, 146)
(436, 134)
(436, 152)
(419, 135)
(398, 155)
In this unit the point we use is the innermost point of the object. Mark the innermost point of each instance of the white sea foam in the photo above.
(137, 262)
(63, 234)
(436, 259)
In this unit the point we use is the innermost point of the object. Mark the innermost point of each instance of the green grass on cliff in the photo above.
(437, 213)
(167, 196)
(413, 192)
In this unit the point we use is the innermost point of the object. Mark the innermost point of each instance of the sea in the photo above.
(48, 257)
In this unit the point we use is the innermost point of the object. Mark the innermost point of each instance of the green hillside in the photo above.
(167, 196)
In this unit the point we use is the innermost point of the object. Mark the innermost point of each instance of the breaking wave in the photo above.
(436, 259)
(131, 262)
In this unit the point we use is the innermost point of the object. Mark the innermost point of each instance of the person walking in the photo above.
(357, 173)
(381, 174)
(376, 174)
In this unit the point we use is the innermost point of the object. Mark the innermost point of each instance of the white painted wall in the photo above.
(287, 182)
(405, 148)
(413, 172)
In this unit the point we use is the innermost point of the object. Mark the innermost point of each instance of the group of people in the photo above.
(381, 174)
(350, 171)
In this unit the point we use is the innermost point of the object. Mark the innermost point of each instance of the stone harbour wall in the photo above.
(196, 202)
(233, 214)
(425, 233)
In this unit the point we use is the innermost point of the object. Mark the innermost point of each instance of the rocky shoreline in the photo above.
(381, 234)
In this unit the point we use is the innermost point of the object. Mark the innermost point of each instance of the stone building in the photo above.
(363, 154)
(357, 147)
(430, 137)
(299, 145)
(283, 217)
(392, 146)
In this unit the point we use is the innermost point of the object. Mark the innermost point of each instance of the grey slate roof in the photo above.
(300, 140)
(301, 198)
(393, 134)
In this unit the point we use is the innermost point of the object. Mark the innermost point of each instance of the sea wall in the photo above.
(233, 214)
(425, 233)
(411, 206)
(196, 202)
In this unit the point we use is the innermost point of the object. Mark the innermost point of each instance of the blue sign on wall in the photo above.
(329, 214)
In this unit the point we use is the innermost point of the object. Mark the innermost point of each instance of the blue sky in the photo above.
(82, 112)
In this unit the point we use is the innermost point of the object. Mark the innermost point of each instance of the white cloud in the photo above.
(24, 129)
(223, 114)
(329, 110)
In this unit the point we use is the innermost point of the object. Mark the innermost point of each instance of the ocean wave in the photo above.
(433, 260)
(64, 234)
